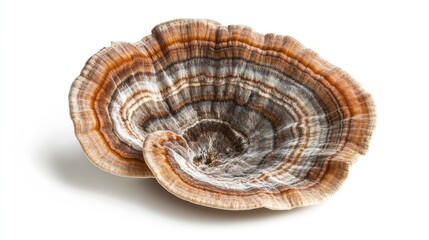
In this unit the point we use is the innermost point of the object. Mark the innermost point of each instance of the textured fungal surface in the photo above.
(222, 116)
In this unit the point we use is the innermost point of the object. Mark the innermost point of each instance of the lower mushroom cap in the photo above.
(177, 168)
(225, 117)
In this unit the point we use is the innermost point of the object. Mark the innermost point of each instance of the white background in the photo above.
(49, 190)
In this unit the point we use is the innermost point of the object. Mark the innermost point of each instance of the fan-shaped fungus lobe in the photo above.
(222, 116)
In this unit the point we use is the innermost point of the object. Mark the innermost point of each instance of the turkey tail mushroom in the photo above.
(222, 116)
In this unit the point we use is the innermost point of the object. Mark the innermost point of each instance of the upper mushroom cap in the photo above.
(222, 116)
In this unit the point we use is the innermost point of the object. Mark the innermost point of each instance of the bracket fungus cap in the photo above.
(222, 116)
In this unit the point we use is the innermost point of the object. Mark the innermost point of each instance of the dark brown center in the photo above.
(213, 142)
